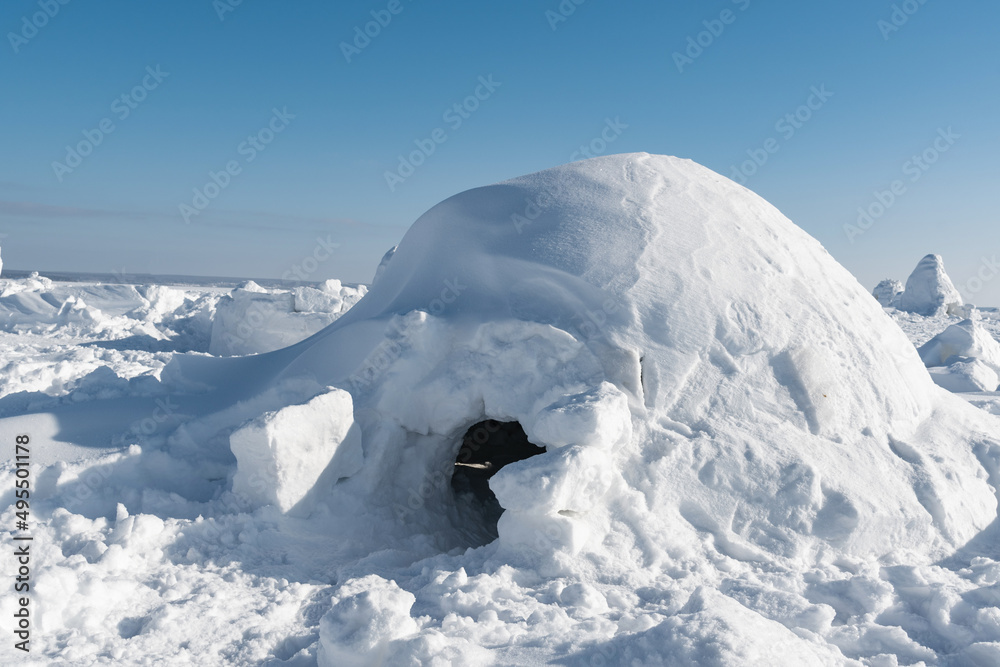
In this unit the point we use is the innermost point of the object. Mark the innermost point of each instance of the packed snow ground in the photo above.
(700, 502)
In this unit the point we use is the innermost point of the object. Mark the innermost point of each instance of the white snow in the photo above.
(281, 455)
(252, 319)
(888, 293)
(964, 358)
(746, 460)
(929, 291)
(968, 338)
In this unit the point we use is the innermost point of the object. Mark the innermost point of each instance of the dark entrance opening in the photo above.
(487, 447)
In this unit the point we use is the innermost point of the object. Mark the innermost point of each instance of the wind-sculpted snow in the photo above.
(929, 291)
(964, 358)
(746, 461)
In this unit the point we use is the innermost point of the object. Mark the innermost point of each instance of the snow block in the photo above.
(597, 417)
(280, 456)
(570, 479)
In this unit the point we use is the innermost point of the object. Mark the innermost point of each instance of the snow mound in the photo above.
(888, 293)
(708, 383)
(963, 358)
(929, 291)
(968, 338)
(966, 374)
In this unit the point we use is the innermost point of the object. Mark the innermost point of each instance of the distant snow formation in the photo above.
(252, 319)
(929, 291)
(888, 293)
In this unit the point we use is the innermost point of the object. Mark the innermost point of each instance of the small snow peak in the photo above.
(929, 291)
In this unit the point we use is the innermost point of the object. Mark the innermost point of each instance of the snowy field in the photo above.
(747, 460)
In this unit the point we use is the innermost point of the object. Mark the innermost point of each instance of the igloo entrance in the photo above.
(486, 448)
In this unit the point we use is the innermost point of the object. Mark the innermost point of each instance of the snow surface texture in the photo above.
(747, 462)
(929, 291)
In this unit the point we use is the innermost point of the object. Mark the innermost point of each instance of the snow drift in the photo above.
(963, 357)
(745, 460)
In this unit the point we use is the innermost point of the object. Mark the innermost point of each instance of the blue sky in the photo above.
(209, 84)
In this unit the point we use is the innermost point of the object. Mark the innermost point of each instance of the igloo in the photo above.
(689, 360)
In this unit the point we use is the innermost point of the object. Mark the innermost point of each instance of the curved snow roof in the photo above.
(646, 307)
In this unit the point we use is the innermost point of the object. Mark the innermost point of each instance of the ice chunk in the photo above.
(599, 416)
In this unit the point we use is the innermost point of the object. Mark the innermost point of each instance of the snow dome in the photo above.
(676, 346)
